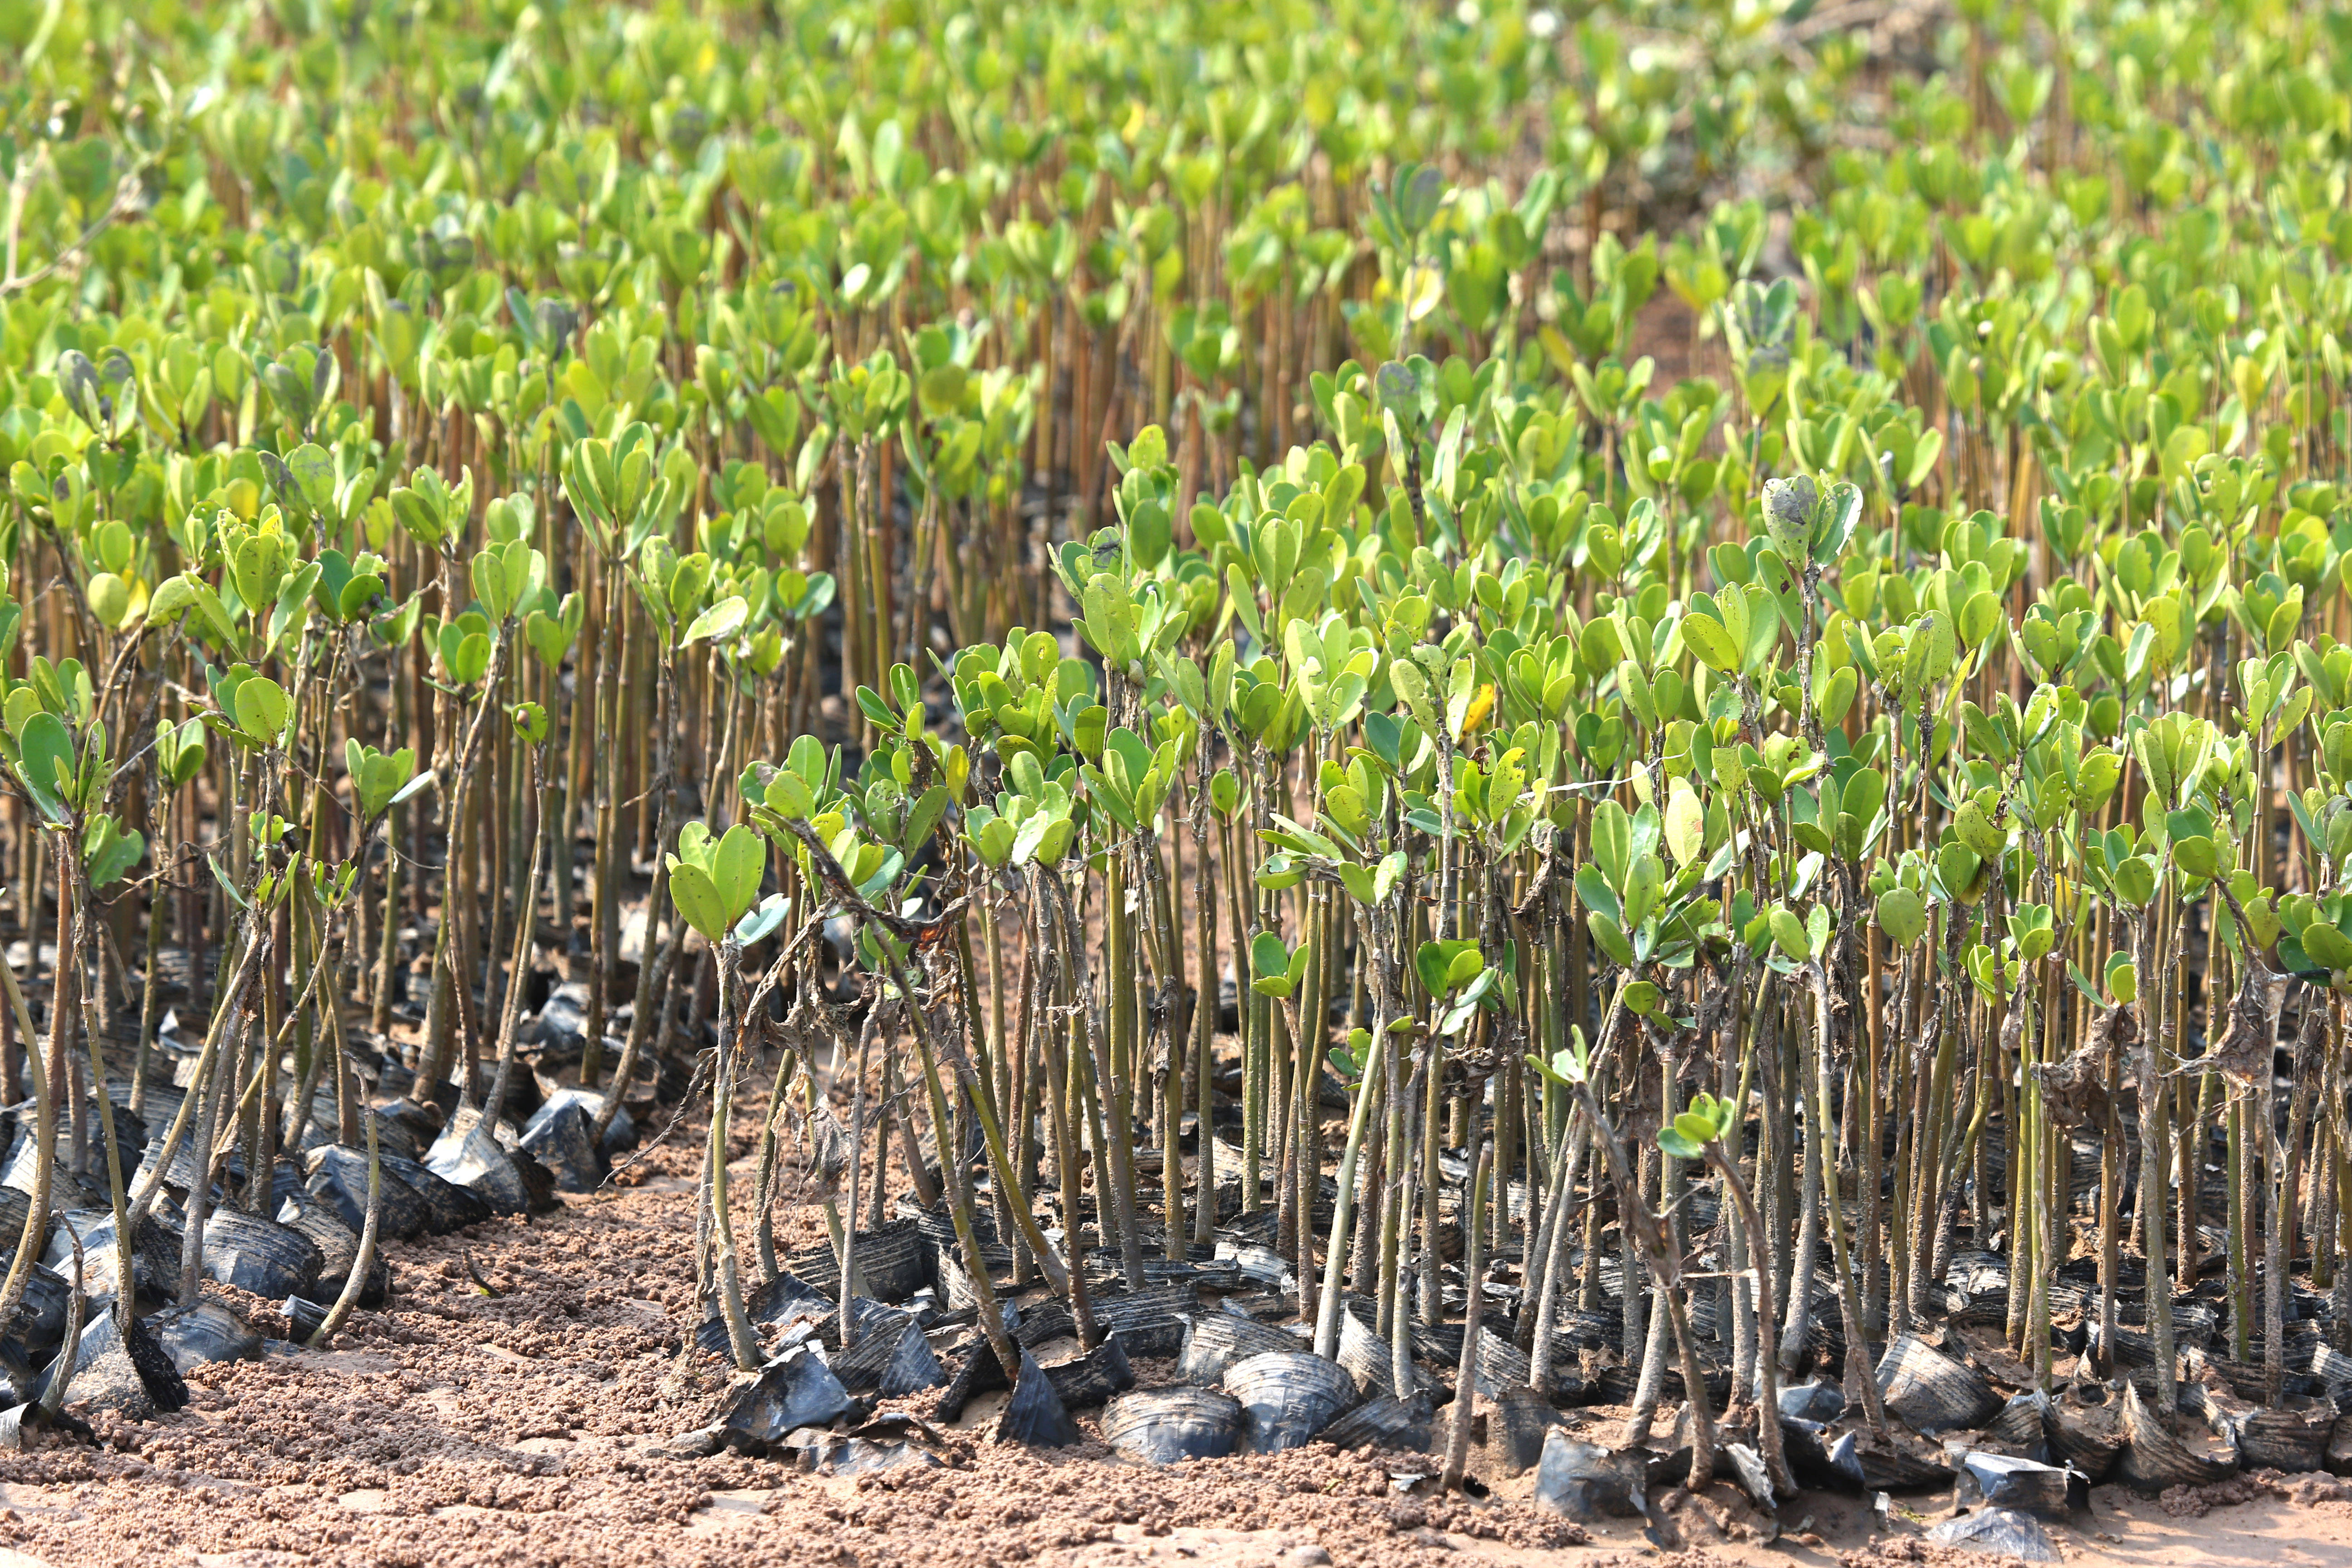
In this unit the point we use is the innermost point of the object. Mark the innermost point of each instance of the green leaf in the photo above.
(1643, 887)
(488, 573)
(697, 897)
(531, 721)
(2328, 947)
(108, 597)
(1958, 867)
(721, 621)
(1977, 830)
(181, 753)
(1902, 915)
(1611, 936)
(228, 882)
(1149, 535)
(1613, 843)
(1029, 840)
(255, 568)
(1685, 822)
(1840, 509)
(362, 590)
(2196, 855)
(418, 782)
(695, 847)
(262, 709)
(992, 840)
(1705, 637)
(1789, 932)
(789, 796)
(761, 920)
(314, 474)
(560, 631)
(47, 749)
(212, 615)
(736, 868)
(1673, 1141)
(1593, 890)
(1696, 1126)
(1268, 955)
(109, 852)
(471, 662)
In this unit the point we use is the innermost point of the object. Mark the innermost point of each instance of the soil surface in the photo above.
(537, 1425)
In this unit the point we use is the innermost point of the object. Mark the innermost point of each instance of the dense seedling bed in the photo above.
(1603, 742)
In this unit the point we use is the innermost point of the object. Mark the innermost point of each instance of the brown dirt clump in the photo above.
(2316, 1490)
(1911, 1549)
(2195, 1502)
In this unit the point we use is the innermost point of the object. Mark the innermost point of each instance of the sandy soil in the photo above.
(532, 1426)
